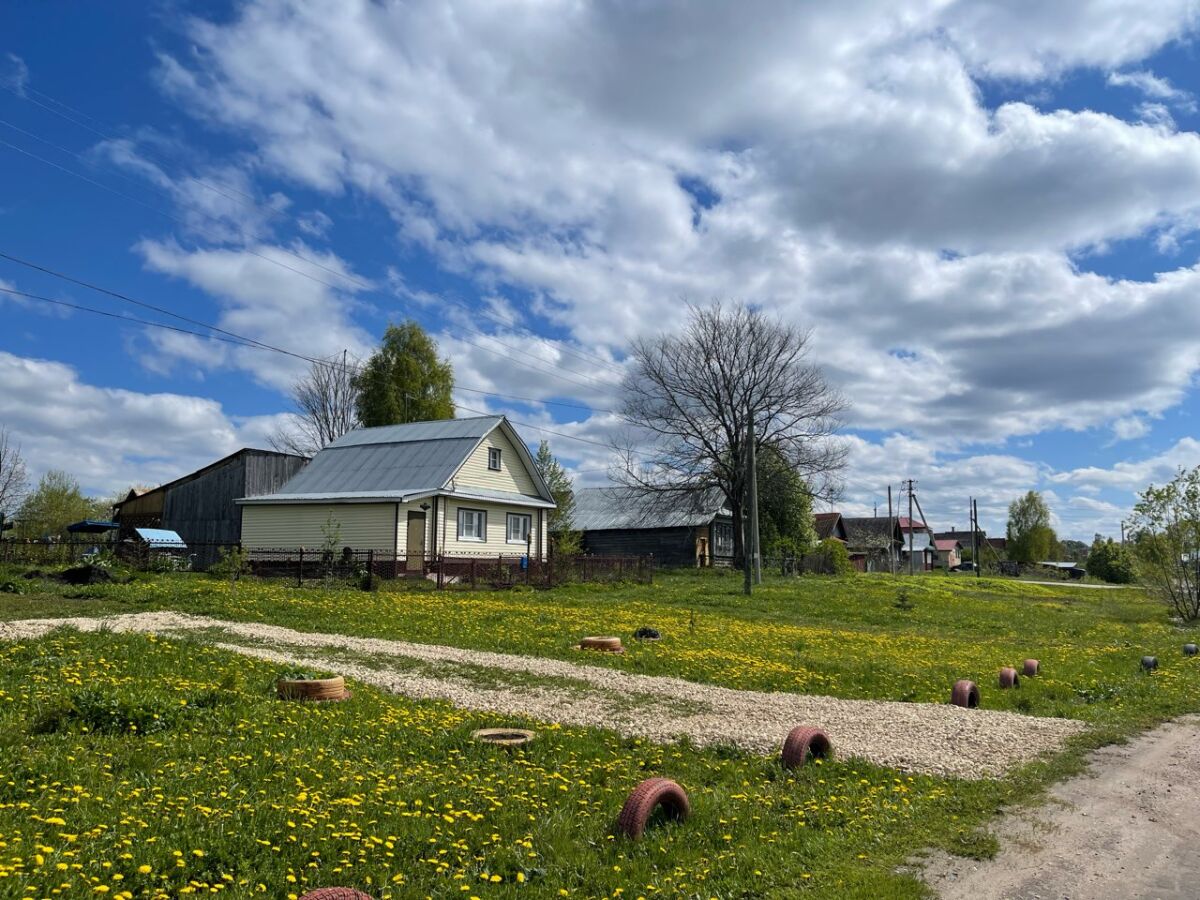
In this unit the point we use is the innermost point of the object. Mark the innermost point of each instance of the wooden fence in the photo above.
(307, 565)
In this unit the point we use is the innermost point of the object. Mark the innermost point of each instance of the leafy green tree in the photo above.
(1166, 551)
(404, 380)
(565, 541)
(55, 503)
(785, 519)
(1110, 561)
(1030, 537)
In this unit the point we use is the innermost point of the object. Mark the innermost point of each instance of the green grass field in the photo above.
(169, 764)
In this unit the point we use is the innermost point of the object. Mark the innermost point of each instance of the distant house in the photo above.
(949, 553)
(1071, 569)
(917, 541)
(692, 530)
(201, 506)
(985, 543)
(873, 542)
(457, 487)
(830, 525)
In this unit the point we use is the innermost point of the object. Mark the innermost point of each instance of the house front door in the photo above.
(415, 550)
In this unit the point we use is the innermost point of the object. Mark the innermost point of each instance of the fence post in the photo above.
(472, 573)
(300, 570)
(441, 568)
(370, 569)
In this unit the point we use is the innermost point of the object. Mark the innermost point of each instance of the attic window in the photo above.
(494, 459)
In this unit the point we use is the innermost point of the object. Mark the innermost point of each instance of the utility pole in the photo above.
(891, 531)
(753, 474)
(975, 536)
(911, 561)
(1122, 532)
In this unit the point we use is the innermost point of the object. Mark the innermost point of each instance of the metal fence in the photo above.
(305, 566)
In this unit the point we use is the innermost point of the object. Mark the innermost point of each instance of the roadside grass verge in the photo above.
(143, 766)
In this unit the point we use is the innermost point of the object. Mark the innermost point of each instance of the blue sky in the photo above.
(985, 212)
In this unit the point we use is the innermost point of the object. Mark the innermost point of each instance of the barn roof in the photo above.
(622, 508)
(870, 531)
(827, 524)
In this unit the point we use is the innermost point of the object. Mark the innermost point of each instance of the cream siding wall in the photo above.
(497, 530)
(512, 477)
(364, 526)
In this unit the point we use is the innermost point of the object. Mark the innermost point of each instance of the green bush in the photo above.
(831, 558)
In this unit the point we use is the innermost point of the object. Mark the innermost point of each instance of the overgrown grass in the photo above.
(231, 750)
(136, 766)
(843, 637)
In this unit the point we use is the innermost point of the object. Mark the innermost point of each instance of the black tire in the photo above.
(1149, 663)
(1009, 678)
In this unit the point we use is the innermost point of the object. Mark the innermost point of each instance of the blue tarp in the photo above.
(161, 538)
(91, 526)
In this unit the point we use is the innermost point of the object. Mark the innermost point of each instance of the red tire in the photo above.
(1030, 669)
(645, 798)
(336, 893)
(803, 742)
(965, 694)
(1009, 678)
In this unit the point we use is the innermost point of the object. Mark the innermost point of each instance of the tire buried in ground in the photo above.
(647, 797)
(1009, 678)
(503, 737)
(1190, 649)
(802, 743)
(1030, 669)
(312, 690)
(1149, 663)
(605, 644)
(965, 694)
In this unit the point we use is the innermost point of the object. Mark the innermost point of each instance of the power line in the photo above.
(159, 309)
(239, 340)
(247, 199)
(126, 317)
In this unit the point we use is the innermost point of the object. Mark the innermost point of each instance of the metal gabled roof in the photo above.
(395, 462)
(621, 508)
(398, 467)
(440, 430)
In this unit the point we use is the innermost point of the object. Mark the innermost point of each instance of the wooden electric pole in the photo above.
(753, 475)
(975, 519)
(912, 570)
(891, 531)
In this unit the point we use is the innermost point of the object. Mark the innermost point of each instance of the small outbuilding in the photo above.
(201, 506)
(678, 529)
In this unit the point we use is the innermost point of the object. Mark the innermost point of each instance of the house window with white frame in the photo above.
(472, 525)
(494, 459)
(518, 528)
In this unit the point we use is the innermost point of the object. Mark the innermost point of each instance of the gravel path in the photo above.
(1127, 828)
(919, 737)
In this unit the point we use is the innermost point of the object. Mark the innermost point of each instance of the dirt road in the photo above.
(1127, 829)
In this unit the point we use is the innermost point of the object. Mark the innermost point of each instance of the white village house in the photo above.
(458, 487)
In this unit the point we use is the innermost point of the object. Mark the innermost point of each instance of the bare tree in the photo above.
(694, 394)
(326, 407)
(14, 479)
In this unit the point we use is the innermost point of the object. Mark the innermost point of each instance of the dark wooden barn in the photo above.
(200, 507)
(676, 530)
